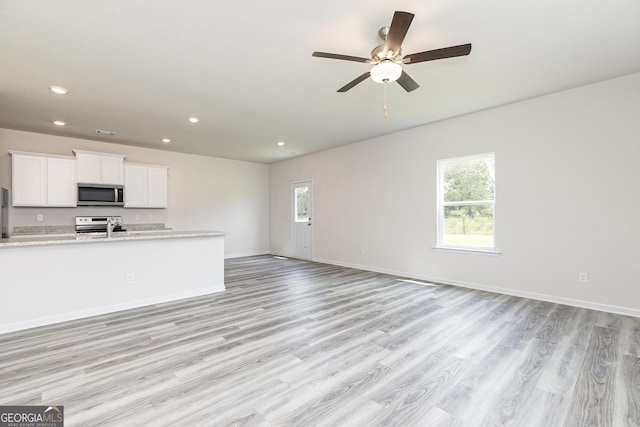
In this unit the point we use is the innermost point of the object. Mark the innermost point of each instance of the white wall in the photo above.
(567, 179)
(204, 193)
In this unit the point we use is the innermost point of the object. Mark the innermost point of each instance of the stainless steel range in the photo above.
(99, 224)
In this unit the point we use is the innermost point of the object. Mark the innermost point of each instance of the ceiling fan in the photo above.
(388, 57)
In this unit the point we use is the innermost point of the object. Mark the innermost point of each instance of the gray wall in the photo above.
(567, 201)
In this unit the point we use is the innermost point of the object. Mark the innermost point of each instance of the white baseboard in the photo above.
(50, 320)
(627, 311)
(283, 254)
(246, 254)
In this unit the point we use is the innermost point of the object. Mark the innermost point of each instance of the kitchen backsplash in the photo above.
(70, 229)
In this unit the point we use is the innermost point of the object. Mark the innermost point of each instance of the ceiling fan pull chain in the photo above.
(386, 115)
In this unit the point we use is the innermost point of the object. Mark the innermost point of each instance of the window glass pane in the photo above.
(469, 180)
(302, 204)
(468, 225)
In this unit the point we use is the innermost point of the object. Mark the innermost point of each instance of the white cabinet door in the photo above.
(157, 187)
(100, 168)
(112, 170)
(145, 186)
(29, 180)
(62, 187)
(135, 186)
(89, 168)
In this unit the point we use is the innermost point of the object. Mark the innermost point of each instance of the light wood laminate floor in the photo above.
(303, 344)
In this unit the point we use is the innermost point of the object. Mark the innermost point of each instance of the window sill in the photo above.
(489, 252)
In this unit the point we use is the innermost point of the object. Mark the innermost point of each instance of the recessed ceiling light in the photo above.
(59, 90)
(59, 123)
(280, 143)
(166, 140)
(193, 119)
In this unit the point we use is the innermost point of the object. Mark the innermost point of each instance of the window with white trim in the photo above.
(466, 202)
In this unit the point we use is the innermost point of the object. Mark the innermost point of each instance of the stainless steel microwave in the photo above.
(100, 195)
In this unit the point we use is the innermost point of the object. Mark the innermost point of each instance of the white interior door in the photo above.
(301, 219)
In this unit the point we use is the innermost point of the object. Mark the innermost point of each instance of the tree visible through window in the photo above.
(302, 204)
(466, 202)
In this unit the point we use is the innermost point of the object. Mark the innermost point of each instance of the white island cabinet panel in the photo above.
(43, 180)
(133, 271)
(100, 168)
(145, 186)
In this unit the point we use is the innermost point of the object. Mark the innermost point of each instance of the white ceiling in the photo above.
(140, 68)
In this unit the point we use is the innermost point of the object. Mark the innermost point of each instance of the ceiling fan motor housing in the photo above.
(382, 33)
(378, 54)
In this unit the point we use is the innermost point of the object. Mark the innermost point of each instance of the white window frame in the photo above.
(441, 204)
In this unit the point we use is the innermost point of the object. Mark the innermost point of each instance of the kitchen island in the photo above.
(51, 279)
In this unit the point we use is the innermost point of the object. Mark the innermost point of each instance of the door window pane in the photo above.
(302, 204)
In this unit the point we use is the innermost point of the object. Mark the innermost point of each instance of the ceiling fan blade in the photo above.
(407, 82)
(445, 52)
(397, 31)
(354, 82)
(338, 56)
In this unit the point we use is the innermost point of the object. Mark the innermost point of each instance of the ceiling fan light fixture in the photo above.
(386, 72)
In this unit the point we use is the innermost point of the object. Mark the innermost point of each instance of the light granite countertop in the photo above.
(102, 238)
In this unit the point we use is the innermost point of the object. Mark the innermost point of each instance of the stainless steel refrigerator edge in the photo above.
(4, 211)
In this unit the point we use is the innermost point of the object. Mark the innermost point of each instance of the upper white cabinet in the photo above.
(62, 184)
(156, 187)
(49, 180)
(135, 178)
(100, 168)
(43, 180)
(145, 186)
(28, 179)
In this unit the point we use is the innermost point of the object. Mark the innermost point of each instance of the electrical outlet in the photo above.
(40, 217)
(583, 277)
(131, 278)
